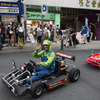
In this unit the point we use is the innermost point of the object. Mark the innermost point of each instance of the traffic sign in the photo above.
(44, 9)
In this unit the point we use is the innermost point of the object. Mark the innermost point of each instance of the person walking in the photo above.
(20, 36)
(10, 32)
(84, 34)
(67, 35)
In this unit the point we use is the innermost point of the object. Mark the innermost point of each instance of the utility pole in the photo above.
(25, 28)
(42, 34)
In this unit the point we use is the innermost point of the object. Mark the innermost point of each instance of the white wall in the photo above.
(8, 0)
(60, 3)
(64, 3)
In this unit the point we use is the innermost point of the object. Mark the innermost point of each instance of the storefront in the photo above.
(73, 12)
(10, 12)
(34, 17)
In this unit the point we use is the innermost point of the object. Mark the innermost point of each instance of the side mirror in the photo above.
(13, 63)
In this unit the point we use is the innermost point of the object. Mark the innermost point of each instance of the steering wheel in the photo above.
(34, 64)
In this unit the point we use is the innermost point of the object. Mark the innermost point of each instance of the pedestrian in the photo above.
(1, 37)
(35, 34)
(57, 31)
(13, 36)
(84, 34)
(52, 35)
(67, 35)
(20, 36)
(38, 28)
(74, 39)
(16, 32)
(3, 32)
(10, 32)
(59, 35)
(90, 34)
(39, 34)
(47, 34)
(60, 32)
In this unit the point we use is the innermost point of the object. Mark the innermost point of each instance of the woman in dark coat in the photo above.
(74, 39)
(3, 33)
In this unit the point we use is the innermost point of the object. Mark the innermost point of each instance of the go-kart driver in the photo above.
(47, 65)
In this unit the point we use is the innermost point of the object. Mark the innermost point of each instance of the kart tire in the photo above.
(74, 74)
(37, 89)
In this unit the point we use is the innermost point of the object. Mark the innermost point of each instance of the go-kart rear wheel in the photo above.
(74, 74)
(36, 89)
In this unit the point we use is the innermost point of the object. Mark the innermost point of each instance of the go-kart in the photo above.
(15, 80)
(94, 59)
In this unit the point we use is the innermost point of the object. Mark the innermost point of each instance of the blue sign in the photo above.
(11, 8)
(44, 9)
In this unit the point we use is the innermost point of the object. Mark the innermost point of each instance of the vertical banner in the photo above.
(86, 24)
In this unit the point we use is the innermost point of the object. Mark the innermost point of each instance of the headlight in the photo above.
(22, 67)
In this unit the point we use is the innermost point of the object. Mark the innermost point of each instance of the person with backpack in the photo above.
(20, 36)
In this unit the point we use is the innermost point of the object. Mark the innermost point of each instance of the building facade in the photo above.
(74, 12)
(10, 12)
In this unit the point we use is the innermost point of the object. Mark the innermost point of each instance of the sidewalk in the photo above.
(55, 47)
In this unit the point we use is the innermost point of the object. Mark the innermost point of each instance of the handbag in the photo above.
(20, 34)
(10, 32)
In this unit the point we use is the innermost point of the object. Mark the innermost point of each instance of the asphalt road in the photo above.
(86, 88)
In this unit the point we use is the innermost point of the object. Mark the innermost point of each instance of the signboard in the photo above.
(44, 9)
(38, 16)
(31, 38)
(10, 8)
(57, 20)
(79, 36)
(85, 4)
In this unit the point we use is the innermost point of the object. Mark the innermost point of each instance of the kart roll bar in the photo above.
(66, 56)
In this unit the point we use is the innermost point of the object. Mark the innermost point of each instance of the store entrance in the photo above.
(33, 24)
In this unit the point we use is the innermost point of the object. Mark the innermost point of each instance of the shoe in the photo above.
(74, 46)
(15, 45)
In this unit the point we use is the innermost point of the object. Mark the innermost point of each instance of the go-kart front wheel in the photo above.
(36, 89)
(74, 74)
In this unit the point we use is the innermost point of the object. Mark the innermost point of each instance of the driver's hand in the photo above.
(37, 63)
(28, 77)
(38, 46)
